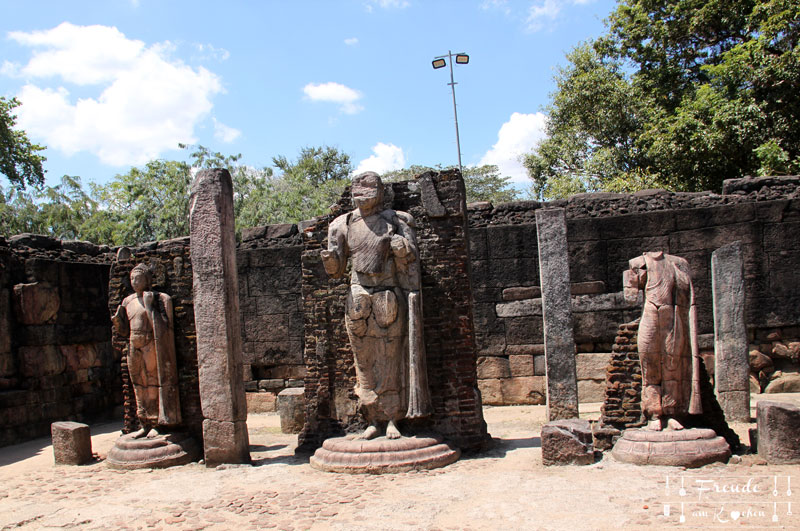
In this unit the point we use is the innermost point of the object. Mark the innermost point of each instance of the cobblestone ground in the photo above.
(504, 488)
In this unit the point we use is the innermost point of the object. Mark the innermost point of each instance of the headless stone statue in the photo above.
(667, 339)
(146, 318)
(384, 307)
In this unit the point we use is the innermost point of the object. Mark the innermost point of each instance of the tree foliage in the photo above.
(679, 94)
(151, 202)
(19, 158)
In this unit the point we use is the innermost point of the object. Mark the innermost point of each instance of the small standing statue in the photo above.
(145, 317)
(384, 307)
(667, 340)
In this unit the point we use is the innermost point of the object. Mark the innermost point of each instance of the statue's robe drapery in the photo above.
(383, 312)
(667, 337)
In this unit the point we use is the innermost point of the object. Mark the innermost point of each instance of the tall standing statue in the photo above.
(146, 318)
(667, 340)
(384, 307)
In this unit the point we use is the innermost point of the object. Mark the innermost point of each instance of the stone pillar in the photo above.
(217, 321)
(559, 343)
(732, 363)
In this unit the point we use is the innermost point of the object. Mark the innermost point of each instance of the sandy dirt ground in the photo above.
(506, 487)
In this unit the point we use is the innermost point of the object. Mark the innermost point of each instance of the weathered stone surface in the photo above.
(72, 443)
(519, 293)
(493, 367)
(732, 367)
(591, 366)
(80, 356)
(520, 308)
(562, 387)
(588, 288)
(567, 442)
(525, 350)
(604, 437)
(778, 432)
(591, 391)
(262, 402)
(162, 451)
(382, 455)
(225, 442)
(41, 361)
(528, 390)
(786, 383)
(272, 383)
(690, 448)
(433, 206)
(539, 365)
(521, 365)
(759, 361)
(36, 303)
(292, 409)
(217, 320)
(524, 390)
(5, 322)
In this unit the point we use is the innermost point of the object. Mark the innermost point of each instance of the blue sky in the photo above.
(110, 84)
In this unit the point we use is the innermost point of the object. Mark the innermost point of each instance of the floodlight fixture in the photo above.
(439, 62)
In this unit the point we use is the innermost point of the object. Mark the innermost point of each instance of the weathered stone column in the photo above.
(732, 364)
(217, 322)
(559, 342)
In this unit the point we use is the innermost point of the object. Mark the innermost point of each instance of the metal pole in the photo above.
(455, 112)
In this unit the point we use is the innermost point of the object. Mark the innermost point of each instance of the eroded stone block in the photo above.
(567, 442)
(72, 443)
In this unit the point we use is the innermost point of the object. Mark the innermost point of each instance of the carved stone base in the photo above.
(689, 448)
(153, 452)
(382, 455)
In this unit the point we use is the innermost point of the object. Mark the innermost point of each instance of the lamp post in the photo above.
(439, 62)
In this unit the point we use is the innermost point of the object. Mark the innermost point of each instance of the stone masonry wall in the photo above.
(56, 360)
(436, 201)
(271, 305)
(605, 231)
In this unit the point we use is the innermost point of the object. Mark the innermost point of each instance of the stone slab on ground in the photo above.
(72, 443)
(778, 432)
(567, 442)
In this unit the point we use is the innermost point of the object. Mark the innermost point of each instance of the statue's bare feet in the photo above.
(655, 425)
(140, 433)
(370, 433)
(391, 431)
(673, 424)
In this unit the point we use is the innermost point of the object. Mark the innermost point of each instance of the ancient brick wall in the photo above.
(437, 204)
(56, 360)
(172, 274)
(604, 232)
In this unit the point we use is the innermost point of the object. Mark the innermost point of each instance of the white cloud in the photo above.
(207, 51)
(145, 103)
(501, 5)
(352, 41)
(543, 12)
(344, 96)
(384, 158)
(224, 133)
(386, 4)
(518, 136)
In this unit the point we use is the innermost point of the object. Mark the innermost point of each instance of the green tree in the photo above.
(677, 94)
(482, 183)
(317, 164)
(19, 158)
